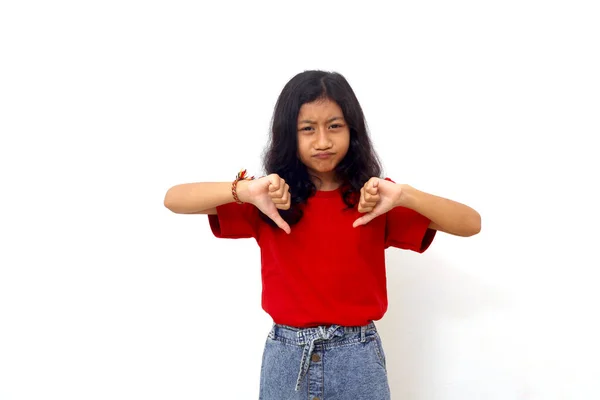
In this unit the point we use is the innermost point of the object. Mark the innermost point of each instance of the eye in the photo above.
(306, 128)
(334, 126)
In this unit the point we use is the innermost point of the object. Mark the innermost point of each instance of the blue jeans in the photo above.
(324, 363)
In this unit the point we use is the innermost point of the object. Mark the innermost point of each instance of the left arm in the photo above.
(446, 215)
(378, 196)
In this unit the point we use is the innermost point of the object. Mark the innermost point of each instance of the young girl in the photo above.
(323, 218)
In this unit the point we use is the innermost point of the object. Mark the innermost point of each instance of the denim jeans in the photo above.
(324, 363)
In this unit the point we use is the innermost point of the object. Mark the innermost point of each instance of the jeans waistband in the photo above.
(302, 336)
(307, 337)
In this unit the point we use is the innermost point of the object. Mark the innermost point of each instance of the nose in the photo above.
(323, 141)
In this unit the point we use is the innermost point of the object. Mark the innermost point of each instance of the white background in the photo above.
(105, 294)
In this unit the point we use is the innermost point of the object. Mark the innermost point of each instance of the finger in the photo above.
(283, 189)
(280, 202)
(289, 202)
(365, 219)
(366, 205)
(280, 222)
(280, 196)
(276, 184)
(285, 202)
(370, 198)
(363, 205)
(284, 206)
(372, 186)
(363, 209)
(362, 195)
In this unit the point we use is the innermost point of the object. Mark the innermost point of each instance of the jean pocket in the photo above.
(378, 347)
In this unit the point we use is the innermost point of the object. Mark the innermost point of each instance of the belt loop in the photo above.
(363, 330)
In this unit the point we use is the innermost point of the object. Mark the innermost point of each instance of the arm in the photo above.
(203, 197)
(446, 215)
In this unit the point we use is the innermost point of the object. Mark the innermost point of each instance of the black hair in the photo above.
(280, 157)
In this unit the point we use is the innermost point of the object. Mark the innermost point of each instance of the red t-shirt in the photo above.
(325, 271)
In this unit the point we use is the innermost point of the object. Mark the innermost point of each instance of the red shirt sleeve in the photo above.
(235, 221)
(407, 229)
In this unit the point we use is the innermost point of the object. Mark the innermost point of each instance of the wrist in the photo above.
(242, 191)
(407, 196)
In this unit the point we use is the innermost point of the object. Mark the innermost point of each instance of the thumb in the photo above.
(279, 221)
(365, 219)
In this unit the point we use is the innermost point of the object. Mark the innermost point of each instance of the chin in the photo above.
(323, 170)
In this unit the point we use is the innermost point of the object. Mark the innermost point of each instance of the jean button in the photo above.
(315, 358)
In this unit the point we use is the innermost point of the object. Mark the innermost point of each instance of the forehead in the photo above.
(321, 109)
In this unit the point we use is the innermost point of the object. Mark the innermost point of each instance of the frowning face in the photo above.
(323, 139)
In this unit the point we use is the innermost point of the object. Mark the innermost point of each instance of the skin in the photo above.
(378, 196)
(322, 128)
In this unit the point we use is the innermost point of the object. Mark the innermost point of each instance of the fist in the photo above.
(268, 194)
(377, 197)
(279, 192)
(369, 196)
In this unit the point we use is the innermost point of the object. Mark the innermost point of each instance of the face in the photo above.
(323, 138)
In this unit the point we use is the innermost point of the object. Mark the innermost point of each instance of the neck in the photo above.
(326, 183)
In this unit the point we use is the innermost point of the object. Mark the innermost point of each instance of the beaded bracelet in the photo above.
(240, 176)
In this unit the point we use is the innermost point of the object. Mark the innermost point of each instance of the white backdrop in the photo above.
(105, 294)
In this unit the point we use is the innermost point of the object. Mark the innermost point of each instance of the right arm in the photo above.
(202, 197)
(268, 194)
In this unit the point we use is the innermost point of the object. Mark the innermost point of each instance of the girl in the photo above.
(323, 218)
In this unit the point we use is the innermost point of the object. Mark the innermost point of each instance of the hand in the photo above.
(268, 194)
(377, 197)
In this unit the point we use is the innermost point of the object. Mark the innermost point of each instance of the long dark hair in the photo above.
(280, 157)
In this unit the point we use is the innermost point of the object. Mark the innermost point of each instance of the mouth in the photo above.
(323, 155)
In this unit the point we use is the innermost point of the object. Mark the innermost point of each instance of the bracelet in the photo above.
(240, 176)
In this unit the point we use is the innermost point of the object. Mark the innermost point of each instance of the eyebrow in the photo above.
(307, 121)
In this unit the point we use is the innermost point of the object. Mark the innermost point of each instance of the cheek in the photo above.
(302, 150)
(345, 144)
